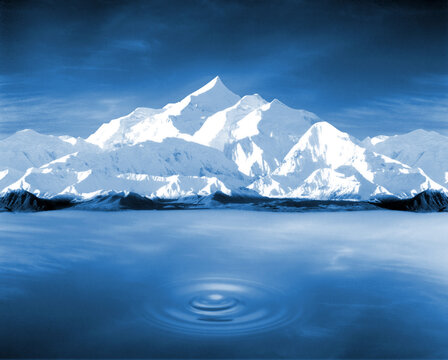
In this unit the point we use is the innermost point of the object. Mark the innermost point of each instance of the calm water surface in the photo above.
(223, 284)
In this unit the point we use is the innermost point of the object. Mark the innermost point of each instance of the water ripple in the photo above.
(219, 306)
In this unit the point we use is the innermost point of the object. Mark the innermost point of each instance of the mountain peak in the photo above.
(320, 135)
(214, 85)
(24, 135)
(27, 132)
(254, 100)
(324, 128)
(277, 102)
(423, 133)
(277, 105)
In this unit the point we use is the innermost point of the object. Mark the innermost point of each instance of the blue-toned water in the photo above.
(223, 284)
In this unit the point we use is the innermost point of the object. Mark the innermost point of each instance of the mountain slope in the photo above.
(328, 164)
(221, 128)
(28, 148)
(170, 169)
(255, 134)
(181, 119)
(24, 201)
(426, 201)
(427, 150)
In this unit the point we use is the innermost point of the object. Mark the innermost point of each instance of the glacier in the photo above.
(214, 143)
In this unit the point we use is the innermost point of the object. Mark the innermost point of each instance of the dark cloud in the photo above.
(325, 56)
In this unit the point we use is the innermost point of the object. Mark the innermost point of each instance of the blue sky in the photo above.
(368, 67)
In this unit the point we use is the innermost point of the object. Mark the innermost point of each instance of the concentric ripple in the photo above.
(219, 306)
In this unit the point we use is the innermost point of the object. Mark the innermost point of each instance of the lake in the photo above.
(223, 284)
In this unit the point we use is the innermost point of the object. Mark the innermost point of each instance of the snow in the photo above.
(179, 119)
(222, 127)
(327, 163)
(141, 125)
(27, 148)
(262, 138)
(213, 140)
(4, 173)
(427, 150)
(169, 169)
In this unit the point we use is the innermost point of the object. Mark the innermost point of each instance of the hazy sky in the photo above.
(367, 67)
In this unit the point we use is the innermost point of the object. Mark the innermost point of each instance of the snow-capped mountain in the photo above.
(181, 119)
(28, 148)
(427, 150)
(173, 168)
(214, 141)
(327, 163)
(255, 134)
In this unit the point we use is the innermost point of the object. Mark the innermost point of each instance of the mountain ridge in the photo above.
(214, 141)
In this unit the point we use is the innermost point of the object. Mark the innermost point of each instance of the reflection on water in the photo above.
(228, 284)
